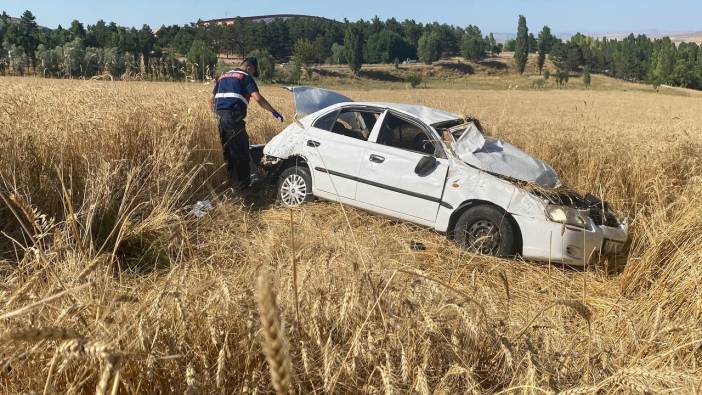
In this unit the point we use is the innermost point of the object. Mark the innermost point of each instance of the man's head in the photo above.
(250, 66)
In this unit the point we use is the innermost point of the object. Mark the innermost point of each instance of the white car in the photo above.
(437, 169)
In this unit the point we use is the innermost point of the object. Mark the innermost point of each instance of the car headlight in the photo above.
(567, 215)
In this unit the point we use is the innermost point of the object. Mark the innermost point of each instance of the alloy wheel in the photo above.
(293, 190)
(483, 237)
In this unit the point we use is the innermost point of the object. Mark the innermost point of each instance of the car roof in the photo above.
(425, 114)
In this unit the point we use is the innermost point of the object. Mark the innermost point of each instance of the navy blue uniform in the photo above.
(232, 93)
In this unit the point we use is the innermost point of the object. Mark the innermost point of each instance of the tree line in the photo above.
(636, 58)
(177, 52)
(191, 51)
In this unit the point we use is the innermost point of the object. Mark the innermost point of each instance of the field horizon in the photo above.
(110, 284)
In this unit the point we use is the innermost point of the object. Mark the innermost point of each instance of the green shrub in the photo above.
(414, 80)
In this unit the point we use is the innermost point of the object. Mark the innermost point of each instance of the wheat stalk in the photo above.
(273, 344)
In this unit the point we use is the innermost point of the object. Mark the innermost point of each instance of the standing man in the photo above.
(230, 99)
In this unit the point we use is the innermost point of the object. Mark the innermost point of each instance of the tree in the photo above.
(412, 31)
(353, 44)
(545, 43)
(414, 80)
(683, 74)
(562, 77)
(521, 49)
(266, 64)
(587, 78)
(533, 43)
(28, 32)
(497, 49)
(50, 60)
(632, 57)
(77, 30)
(304, 52)
(567, 56)
(663, 62)
(73, 56)
(386, 45)
(429, 47)
(338, 54)
(295, 73)
(510, 45)
(491, 43)
(17, 59)
(203, 59)
(473, 46)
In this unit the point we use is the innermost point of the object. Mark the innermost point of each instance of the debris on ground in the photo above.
(201, 208)
(417, 246)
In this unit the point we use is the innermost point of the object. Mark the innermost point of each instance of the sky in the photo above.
(499, 16)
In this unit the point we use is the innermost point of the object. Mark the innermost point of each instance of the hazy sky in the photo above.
(491, 16)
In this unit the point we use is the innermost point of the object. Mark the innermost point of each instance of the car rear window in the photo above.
(326, 122)
(352, 123)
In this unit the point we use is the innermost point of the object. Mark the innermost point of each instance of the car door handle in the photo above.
(312, 143)
(376, 158)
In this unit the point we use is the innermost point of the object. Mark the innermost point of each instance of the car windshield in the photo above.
(495, 156)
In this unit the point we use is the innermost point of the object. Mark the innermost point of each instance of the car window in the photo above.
(356, 124)
(326, 122)
(398, 133)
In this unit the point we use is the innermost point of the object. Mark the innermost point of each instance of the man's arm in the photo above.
(263, 102)
(266, 105)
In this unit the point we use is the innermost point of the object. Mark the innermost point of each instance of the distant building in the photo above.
(257, 18)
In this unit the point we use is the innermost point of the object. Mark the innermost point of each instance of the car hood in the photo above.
(499, 157)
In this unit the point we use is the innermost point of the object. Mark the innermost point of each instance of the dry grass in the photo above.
(108, 284)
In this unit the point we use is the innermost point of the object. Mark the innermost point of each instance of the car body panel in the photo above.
(394, 180)
(334, 161)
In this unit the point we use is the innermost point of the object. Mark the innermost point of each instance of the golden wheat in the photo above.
(97, 241)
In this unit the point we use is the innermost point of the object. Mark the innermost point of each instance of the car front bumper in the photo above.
(548, 241)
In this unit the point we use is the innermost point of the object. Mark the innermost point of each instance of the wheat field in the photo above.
(108, 284)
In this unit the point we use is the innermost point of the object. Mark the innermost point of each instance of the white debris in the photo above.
(201, 208)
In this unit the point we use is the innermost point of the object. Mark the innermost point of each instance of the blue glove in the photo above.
(278, 116)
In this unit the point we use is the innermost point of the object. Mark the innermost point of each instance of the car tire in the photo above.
(486, 230)
(294, 186)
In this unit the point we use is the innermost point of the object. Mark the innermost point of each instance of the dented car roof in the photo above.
(309, 100)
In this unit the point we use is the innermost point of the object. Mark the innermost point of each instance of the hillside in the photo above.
(493, 73)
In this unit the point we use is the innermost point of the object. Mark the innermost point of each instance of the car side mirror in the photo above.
(426, 165)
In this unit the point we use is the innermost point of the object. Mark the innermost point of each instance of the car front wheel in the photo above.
(295, 186)
(486, 230)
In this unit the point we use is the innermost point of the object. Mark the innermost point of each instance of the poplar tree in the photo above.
(545, 42)
(353, 45)
(521, 50)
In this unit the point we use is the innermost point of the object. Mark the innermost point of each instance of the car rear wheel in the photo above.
(486, 230)
(295, 186)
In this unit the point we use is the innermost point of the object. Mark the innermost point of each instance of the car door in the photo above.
(388, 180)
(335, 146)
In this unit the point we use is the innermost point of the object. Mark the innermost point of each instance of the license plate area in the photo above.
(612, 247)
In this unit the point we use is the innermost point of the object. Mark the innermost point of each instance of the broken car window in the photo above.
(326, 122)
(356, 124)
(398, 133)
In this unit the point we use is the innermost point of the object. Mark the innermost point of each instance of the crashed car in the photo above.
(439, 170)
